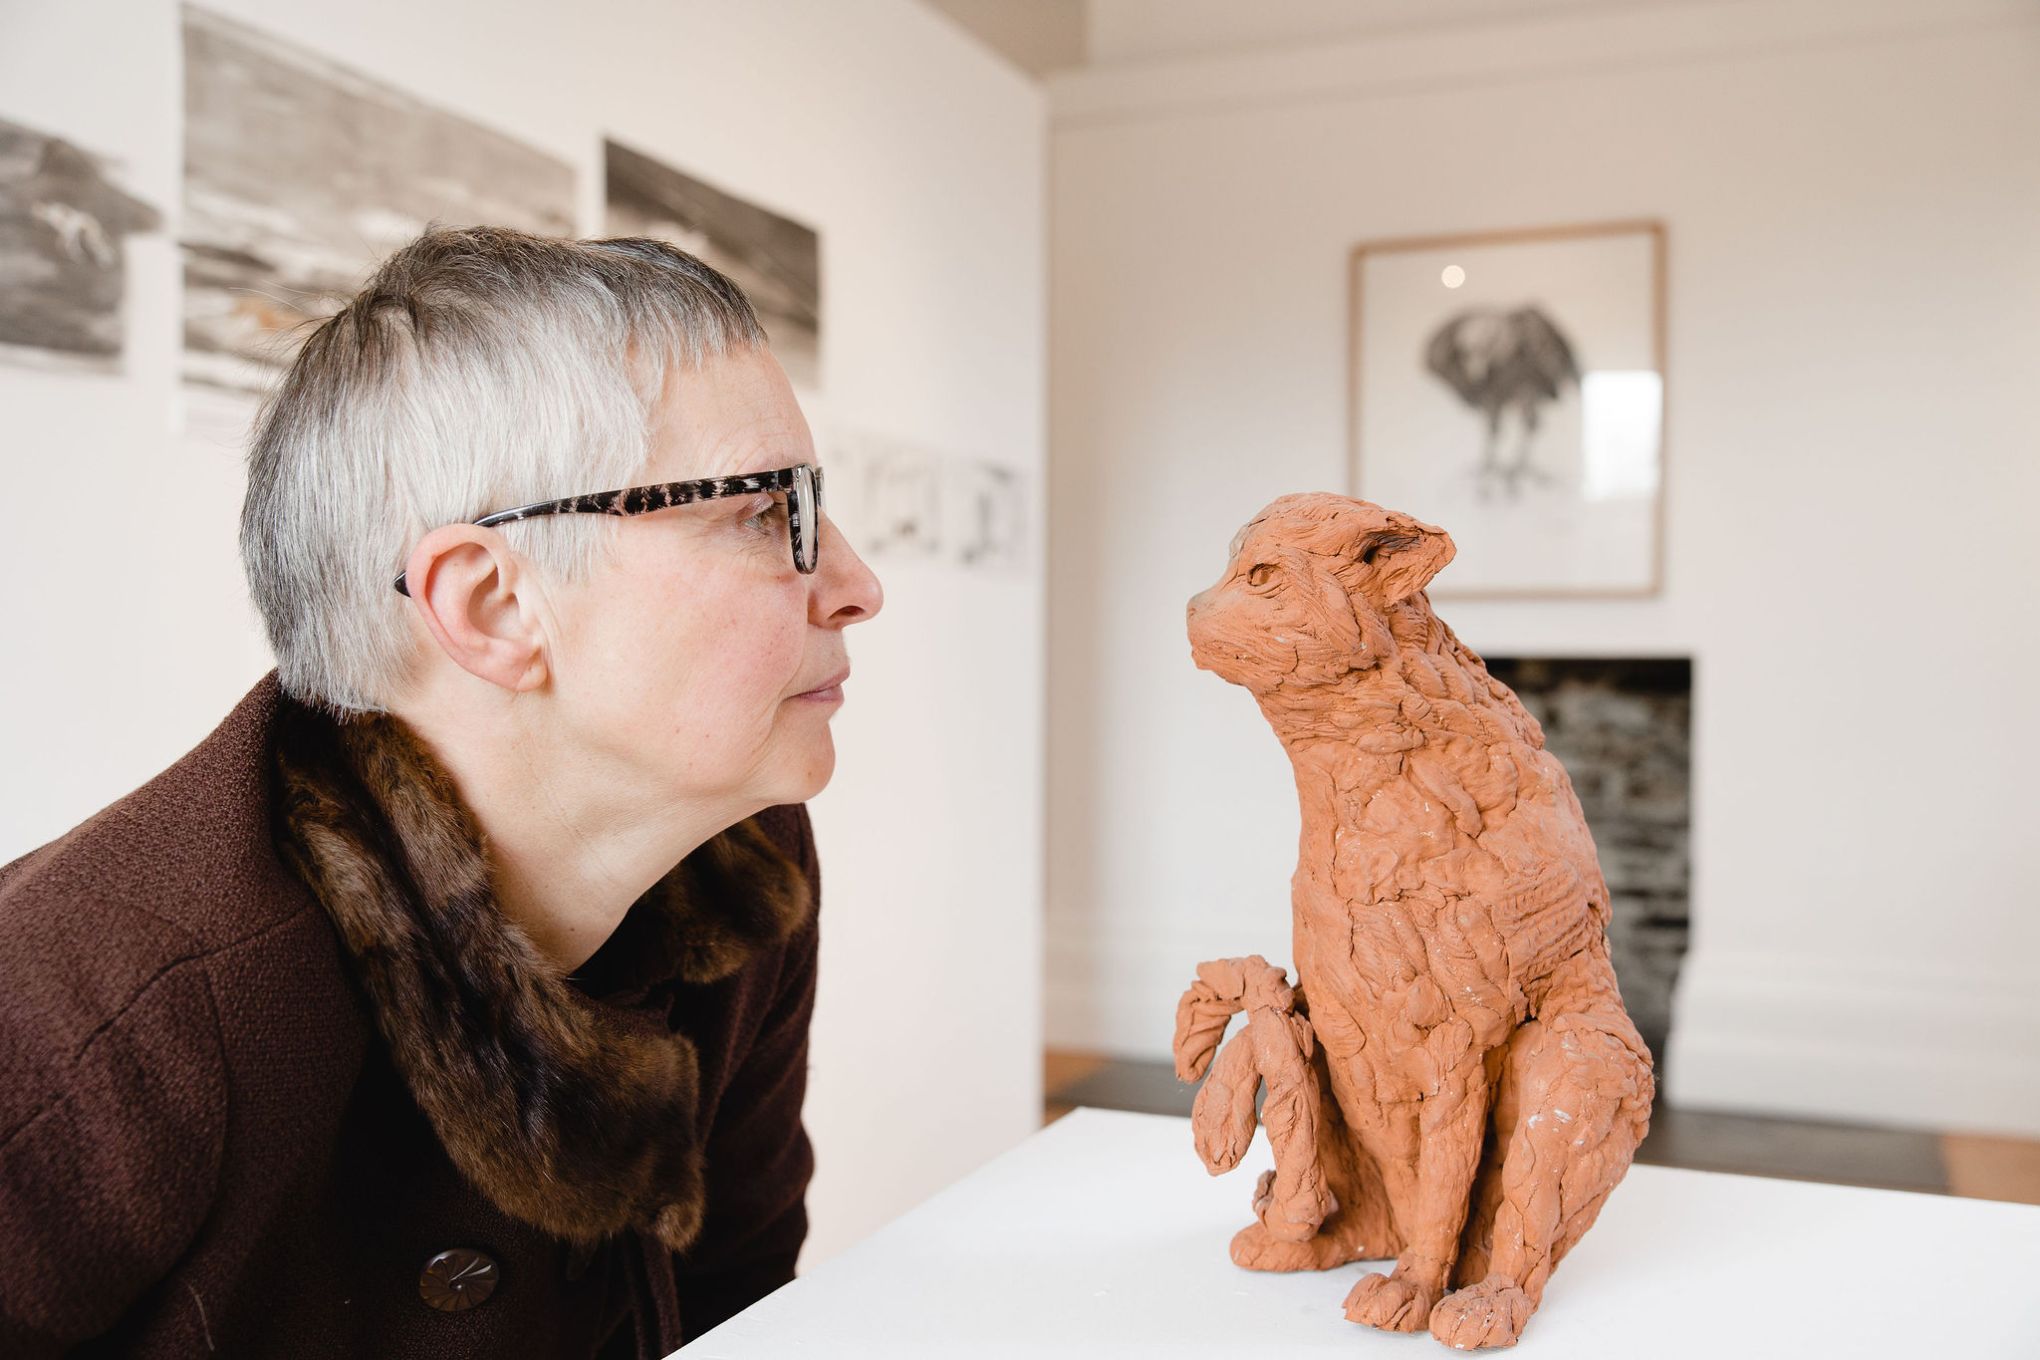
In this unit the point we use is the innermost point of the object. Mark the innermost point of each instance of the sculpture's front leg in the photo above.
(1452, 1125)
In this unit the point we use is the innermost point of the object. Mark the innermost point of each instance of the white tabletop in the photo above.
(1102, 1236)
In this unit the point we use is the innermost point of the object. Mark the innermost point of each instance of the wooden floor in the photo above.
(1971, 1165)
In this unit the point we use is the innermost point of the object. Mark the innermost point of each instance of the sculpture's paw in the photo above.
(1491, 1313)
(1298, 1220)
(1257, 1248)
(1392, 1303)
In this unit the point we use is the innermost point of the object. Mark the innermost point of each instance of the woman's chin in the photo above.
(813, 771)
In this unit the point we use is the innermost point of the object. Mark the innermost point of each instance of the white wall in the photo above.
(920, 159)
(1852, 192)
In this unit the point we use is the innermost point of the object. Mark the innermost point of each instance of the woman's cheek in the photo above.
(792, 633)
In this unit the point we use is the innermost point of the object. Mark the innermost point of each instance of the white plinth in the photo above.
(1101, 1236)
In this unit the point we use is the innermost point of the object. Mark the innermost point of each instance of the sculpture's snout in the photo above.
(1197, 619)
(1202, 619)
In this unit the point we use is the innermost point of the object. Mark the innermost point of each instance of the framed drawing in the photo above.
(1510, 387)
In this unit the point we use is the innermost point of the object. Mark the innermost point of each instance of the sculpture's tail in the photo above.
(1223, 989)
(1275, 1047)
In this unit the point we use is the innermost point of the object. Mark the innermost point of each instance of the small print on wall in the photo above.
(899, 493)
(774, 259)
(63, 269)
(986, 514)
(899, 502)
(1509, 386)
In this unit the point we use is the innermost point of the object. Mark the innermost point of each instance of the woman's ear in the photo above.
(1403, 559)
(470, 591)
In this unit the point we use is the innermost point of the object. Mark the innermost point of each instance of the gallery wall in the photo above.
(1852, 201)
(919, 161)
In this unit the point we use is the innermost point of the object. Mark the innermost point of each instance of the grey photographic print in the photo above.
(300, 174)
(985, 512)
(63, 271)
(900, 502)
(1497, 362)
(774, 259)
(897, 502)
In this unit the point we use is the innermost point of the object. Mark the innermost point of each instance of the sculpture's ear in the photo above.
(1403, 558)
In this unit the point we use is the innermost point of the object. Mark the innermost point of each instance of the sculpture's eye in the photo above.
(1260, 574)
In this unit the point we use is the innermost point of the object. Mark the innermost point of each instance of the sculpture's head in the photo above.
(1305, 597)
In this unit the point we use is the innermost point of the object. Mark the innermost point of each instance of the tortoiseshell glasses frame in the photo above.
(802, 482)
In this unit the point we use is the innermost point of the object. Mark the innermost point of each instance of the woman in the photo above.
(452, 997)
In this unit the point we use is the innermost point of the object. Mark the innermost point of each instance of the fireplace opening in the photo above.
(1623, 729)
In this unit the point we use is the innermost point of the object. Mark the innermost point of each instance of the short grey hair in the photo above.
(478, 369)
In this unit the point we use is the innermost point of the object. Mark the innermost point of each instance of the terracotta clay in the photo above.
(1453, 1082)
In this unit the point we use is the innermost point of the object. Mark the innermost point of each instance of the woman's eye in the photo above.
(772, 505)
(1260, 574)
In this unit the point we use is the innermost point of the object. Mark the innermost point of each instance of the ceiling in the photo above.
(1044, 36)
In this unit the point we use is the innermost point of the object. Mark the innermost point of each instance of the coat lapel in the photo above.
(575, 1115)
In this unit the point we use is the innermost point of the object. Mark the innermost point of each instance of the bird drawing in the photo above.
(1497, 362)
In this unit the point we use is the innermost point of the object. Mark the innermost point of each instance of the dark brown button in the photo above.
(455, 1281)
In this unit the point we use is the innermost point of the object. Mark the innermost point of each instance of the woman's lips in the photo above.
(829, 693)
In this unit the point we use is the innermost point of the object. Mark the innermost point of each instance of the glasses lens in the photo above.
(805, 520)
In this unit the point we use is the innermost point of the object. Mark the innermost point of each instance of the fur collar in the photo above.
(573, 1114)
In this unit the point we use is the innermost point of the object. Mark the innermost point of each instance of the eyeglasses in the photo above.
(802, 482)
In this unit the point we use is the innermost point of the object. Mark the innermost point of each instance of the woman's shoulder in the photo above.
(155, 1035)
(162, 930)
(191, 850)
(169, 994)
(124, 995)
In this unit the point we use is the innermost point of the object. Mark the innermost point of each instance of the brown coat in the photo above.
(250, 1091)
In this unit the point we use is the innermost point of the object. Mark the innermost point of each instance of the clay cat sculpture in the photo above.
(1453, 1082)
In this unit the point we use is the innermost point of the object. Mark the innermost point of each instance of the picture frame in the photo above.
(1509, 386)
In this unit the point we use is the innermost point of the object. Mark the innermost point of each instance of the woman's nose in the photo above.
(847, 591)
